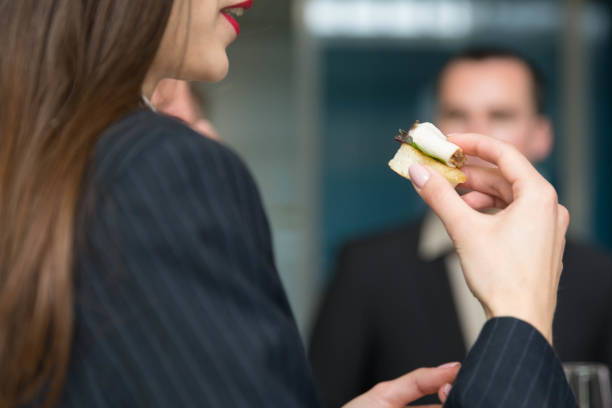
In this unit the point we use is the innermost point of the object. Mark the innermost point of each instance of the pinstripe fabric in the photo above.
(178, 300)
(178, 303)
(511, 365)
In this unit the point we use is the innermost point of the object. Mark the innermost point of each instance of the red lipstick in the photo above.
(233, 22)
(245, 5)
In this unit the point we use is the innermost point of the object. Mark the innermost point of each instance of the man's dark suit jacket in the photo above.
(387, 312)
(178, 302)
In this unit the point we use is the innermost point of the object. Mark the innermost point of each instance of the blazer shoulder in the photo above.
(146, 135)
(152, 155)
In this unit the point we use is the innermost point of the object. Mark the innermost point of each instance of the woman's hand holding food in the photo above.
(512, 260)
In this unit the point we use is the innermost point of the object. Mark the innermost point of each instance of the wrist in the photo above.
(535, 315)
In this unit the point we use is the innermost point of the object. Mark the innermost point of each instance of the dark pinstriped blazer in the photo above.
(511, 365)
(178, 302)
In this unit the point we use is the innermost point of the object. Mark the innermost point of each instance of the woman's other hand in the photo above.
(409, 388)
(512, 260)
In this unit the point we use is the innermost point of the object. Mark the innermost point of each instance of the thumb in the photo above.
(416, 384)
(440, 195)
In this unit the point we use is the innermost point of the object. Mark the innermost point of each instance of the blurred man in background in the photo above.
(398, 301)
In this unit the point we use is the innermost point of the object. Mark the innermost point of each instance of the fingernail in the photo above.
(446, 389)
(418, 174)
(449, 365)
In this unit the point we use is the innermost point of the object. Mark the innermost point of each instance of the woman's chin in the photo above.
(219, 74)
(216, 71)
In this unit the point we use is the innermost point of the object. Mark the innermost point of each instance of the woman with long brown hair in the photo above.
(135, 260)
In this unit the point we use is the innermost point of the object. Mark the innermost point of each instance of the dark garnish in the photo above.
(404, 137)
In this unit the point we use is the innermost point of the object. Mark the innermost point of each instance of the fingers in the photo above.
(408, 388)
(417, 384)
(512, 164)
(438, 193)
(481, 201)
(488, 180)
(443, 392)
(564, 218)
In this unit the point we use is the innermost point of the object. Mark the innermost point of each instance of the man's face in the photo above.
(493, 97)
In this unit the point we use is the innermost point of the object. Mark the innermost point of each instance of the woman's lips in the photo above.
(233, 22)
(244, 5)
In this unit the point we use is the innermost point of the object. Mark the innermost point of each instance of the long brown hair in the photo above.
(68, 68)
